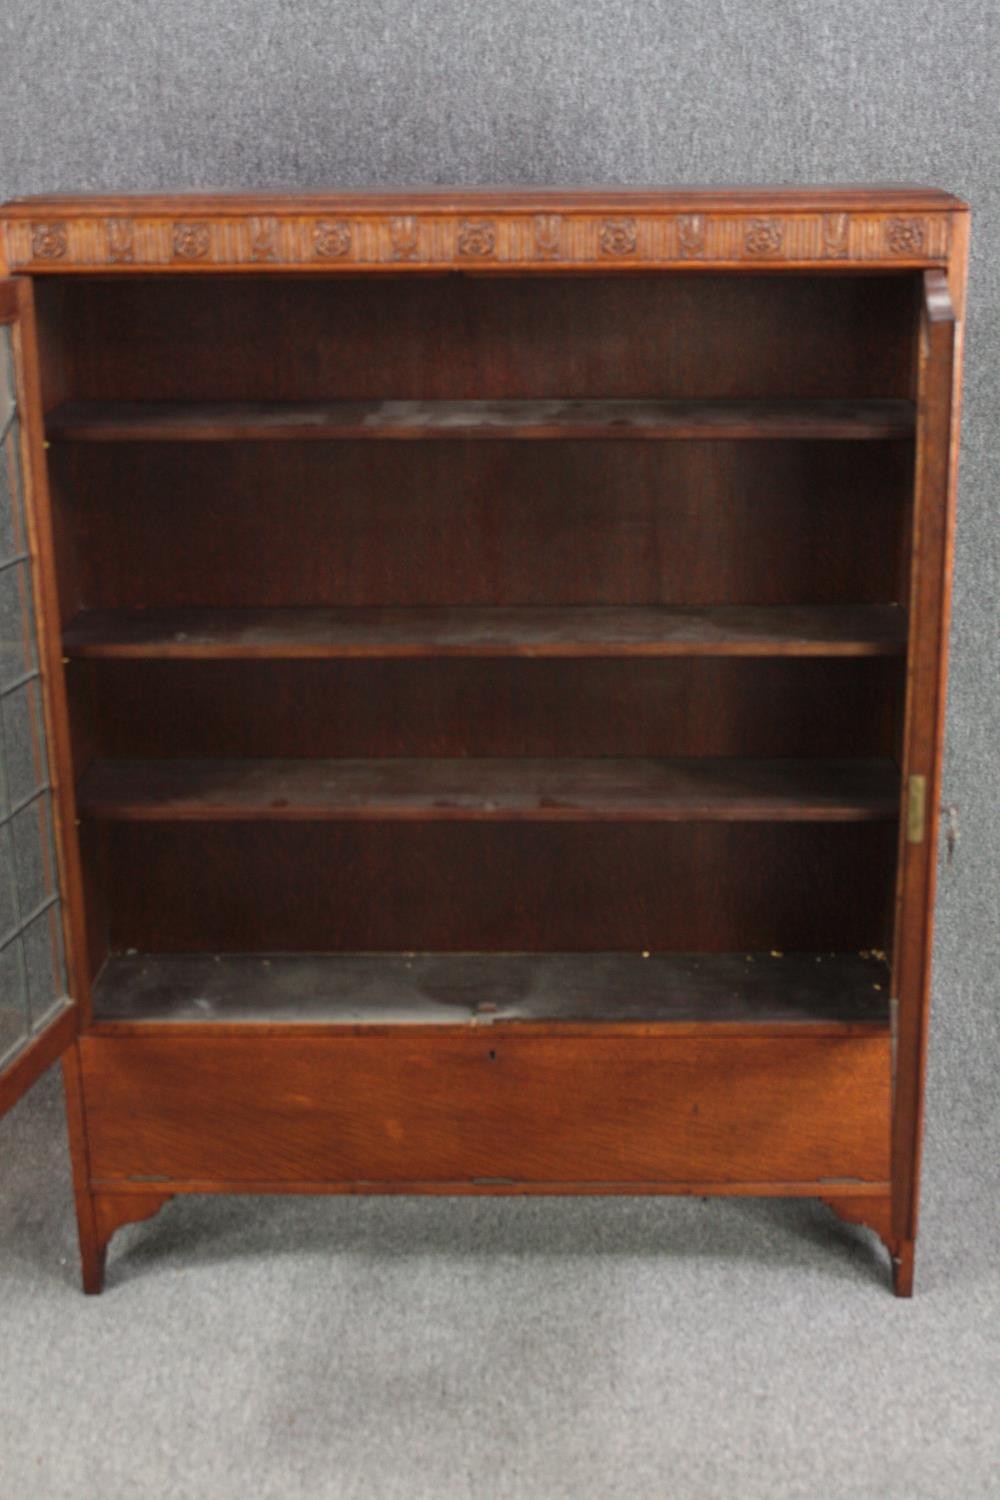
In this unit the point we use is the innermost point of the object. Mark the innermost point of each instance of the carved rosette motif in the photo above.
(618, 237)
(191, 241)
(121, 241)
(548, 236)
(263, 237)
(49, 241)
(403, 237)
(905, 236)
(332, 238)
(763, 237)
(477, 238)
(835, 231)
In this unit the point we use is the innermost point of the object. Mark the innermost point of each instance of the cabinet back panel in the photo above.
(247, 338)
(748, 707)
(356, 887)
(262, 524)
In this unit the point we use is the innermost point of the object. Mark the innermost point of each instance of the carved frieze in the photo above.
(574, 236)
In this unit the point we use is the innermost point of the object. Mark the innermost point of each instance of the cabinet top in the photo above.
(452, 226)
(893, 195)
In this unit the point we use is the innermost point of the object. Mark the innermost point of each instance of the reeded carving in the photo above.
(905, 236)
(121, 241)
(691, 234)
(263, 237)
(763, 237)
(618, 237)
(113, 236)
(191, 241)
(403, 237)
(548, 236)
(477, 237)
(332, 238)
(49, 241)
(835, 231)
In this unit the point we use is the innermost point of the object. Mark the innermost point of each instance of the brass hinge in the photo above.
(916, 809)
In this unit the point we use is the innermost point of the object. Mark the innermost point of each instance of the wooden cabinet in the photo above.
(473, 672)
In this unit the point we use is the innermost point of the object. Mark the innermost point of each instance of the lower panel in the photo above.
(486, 1110)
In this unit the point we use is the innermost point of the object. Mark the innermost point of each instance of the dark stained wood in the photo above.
(485, 524)
(481, 1107)
(150, 422)
(201, 710)
(195, 887)
(822, 992)
(301, 634)
(492, 790)
(649, 337)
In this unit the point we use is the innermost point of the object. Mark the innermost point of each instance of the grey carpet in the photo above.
(496, 1348)
(440, 1348)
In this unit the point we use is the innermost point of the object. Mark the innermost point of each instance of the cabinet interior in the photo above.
(391, 696)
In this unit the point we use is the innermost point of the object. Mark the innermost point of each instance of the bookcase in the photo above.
(473, 680)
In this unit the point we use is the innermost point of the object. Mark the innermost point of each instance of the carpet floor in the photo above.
(439, 1348)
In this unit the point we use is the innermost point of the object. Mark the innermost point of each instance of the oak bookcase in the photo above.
(473, 667)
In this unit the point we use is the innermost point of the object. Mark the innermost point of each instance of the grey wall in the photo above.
(122, 94)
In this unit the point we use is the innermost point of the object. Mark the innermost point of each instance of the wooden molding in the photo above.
(206, 234)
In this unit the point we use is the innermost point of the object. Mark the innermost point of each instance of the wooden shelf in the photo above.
(547, 631)
(815, 992)
(530, 790)
(176, 421)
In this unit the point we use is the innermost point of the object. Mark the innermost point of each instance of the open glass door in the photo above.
(37, 1018)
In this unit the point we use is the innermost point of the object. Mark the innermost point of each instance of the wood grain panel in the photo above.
(378, 524)
(411, 338)
(459, 708)
(244, 887)
(472, 1108)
